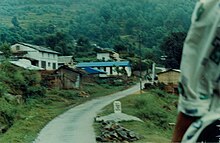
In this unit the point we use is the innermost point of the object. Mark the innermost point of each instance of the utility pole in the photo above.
(140, 61)
(153, 73)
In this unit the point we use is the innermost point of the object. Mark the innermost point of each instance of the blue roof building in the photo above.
(116, 68)
(104, 64)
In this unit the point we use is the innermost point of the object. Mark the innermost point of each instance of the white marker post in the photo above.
(117, 106)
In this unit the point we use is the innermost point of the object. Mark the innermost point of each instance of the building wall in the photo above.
(103, 56)
(170, 77)
(70, 79)
(50, 59)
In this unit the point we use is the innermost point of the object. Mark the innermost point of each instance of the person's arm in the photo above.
(182, 124)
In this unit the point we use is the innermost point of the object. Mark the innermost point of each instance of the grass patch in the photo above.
(156, 108)
(37, 112)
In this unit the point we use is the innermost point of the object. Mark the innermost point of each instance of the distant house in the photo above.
(111, 68)
(107, 55)
(170, 78)
(39, 56)
(65, 60)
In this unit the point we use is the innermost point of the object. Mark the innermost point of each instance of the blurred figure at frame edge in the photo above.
(199, 87)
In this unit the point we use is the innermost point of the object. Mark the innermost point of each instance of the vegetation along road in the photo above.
(75, 125)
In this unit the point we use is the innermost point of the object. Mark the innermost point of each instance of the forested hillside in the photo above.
(59, 23)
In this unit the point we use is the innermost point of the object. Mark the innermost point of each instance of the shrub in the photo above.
(148, 86)
(68, 94)
(159, 92)
(19, 81)
(161, 85)
(35, 91)
(3, 89)
(7, 113)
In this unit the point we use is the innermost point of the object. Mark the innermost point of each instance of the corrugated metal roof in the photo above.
(25, 65)
(77, 70)
(104, 64)
(94, 71)
(39, 48)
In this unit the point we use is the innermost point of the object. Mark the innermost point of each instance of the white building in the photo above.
(103, 56)
(39, 56)
(107, 55)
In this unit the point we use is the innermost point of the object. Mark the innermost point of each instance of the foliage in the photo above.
(148, 86)
(172, 47)
(109, 23)
(20, 82)
(29, 118)
(15, 22)
(146, 65)
(5, 48)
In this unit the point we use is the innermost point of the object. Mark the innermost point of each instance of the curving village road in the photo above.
(75, 125)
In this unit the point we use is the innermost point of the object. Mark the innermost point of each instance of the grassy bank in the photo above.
(156, 108)
(32, 116)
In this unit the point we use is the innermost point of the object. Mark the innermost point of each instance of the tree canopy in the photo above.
(58, 24)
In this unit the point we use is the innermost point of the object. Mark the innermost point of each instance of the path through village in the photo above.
(75, 125)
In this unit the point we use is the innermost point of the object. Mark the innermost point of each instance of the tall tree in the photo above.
(172, 47)
(15, 22)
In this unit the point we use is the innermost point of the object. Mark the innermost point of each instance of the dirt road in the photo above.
(75, 125)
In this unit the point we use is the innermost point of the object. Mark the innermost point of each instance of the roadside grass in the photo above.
(37, 112)
(156, 108)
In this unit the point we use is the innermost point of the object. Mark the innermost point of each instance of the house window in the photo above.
(48, 55)
(49, 64)
(54, 66)
(42, 54)
(43, 64)
(54, 56)
(104, 68)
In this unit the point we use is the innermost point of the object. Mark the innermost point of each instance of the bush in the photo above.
(161, 85)
(7, 113)
(149, 86)
(18, 81)
(3, 89)
(160, 93)
(68, 94)
(35, 91)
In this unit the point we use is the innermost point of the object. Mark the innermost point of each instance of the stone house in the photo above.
(107, 55)
(39, 56)
(170, 78)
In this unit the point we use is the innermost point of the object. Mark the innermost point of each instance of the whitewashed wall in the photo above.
(49, 58)
(105, 56)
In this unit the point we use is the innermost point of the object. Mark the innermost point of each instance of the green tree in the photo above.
(15, 22)
(5, 48)
(172, 47)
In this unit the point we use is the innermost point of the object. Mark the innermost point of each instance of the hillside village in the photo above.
(58, 54)
(64, 72)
